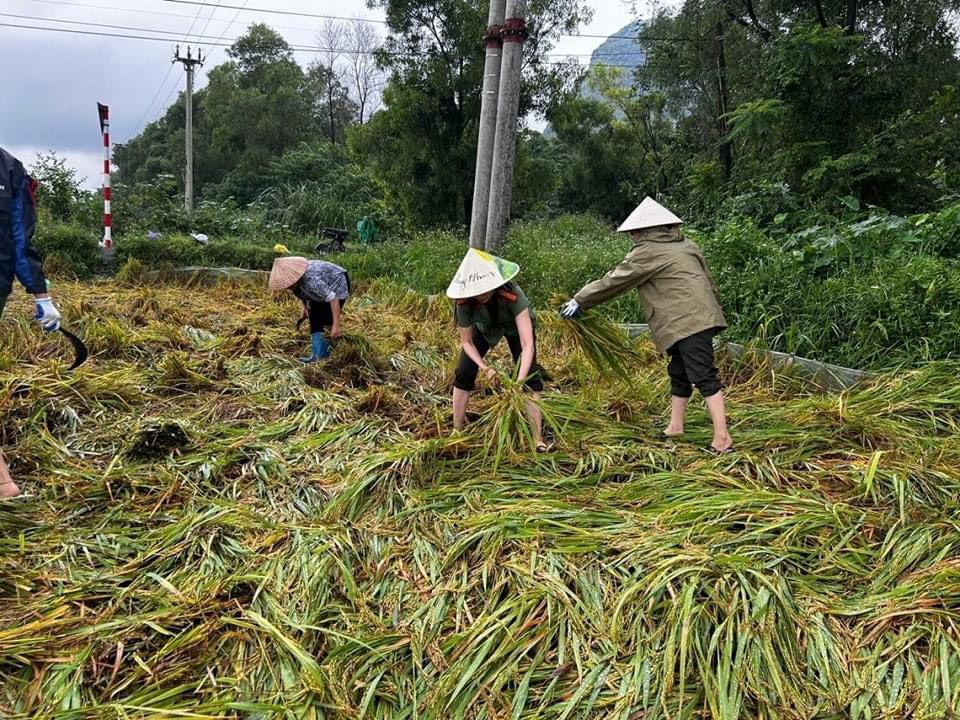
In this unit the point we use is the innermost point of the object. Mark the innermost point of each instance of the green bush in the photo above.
(184, 251)
(556, 257)
(69, 249)
(865, 293)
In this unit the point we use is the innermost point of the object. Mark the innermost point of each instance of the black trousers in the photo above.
(321, 314)
(465, 377)
(692, 365)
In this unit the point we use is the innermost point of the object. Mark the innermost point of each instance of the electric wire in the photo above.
(218, 41)
(163, 83)
(242, 8)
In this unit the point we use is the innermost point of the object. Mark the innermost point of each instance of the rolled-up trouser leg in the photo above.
(680, 385)
(696, 355)
(465, 377)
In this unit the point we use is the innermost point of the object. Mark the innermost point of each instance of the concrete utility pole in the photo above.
(505, 146)
(488, 124)
(189, 63)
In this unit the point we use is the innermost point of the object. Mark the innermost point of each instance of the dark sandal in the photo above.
(711, 450)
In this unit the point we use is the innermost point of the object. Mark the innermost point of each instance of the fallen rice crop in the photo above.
(214, 531)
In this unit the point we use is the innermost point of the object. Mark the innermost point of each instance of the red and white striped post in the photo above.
(107, 243)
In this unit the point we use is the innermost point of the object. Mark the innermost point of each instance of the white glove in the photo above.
(47, 315)
(570, 310)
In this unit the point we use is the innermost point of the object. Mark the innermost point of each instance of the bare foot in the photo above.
(9, 490)
(673, 431)
(722, 444)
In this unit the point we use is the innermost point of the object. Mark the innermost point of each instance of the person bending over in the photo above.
(323, 288)
(490, 307)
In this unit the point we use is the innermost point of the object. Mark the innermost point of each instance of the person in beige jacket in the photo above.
(682, 305)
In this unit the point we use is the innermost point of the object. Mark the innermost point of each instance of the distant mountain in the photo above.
(619, 50)
(622, 50)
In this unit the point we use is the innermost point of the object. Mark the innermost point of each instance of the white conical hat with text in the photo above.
(649, 214)
(479, 273)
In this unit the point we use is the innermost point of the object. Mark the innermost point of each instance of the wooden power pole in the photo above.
(190, 64)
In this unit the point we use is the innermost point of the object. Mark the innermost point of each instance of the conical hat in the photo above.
(286, 272)
(481, 273)
(649, 214)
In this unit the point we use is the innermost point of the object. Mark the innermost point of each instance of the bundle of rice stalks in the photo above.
(602, 343)
(506, 423)
(177, 371)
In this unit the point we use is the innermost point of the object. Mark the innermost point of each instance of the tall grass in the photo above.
(218, 532)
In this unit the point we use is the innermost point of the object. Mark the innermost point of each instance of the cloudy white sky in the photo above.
(50, 98)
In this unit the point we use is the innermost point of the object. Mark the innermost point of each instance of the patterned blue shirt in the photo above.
(323, 281)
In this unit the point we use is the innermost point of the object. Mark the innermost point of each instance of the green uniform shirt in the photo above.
(497, 317)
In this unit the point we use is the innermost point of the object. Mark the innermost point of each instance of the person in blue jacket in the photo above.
(19, 260)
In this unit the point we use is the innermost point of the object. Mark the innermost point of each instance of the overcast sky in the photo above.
(50, 96)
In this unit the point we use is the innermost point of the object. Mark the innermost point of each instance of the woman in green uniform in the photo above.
(490, 307)
(682, 306)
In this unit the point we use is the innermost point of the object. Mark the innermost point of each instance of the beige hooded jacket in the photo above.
(678, 293)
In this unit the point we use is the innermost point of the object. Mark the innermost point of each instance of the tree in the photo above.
(612, 145)
(424, 140)
(256, 106)
(777, 90)
(59, 192)
(333, 39)
(332, 109)
(366, 77)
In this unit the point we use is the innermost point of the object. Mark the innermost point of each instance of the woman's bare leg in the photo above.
(536, 420)
(8, 488)
(460, 399)
(678, 410)
(718, 414)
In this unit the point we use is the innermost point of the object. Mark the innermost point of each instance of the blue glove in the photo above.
(570, 310)
(47, 315)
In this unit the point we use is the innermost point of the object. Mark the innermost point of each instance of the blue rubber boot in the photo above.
(320, 346)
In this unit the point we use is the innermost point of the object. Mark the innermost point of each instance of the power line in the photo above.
(154, 100)
(212, 13)
(196, 38)
(93, 6)
(110, 26)
(272, 11)
(322, 16)
(296, 48)
(217, 42)
(242, 8)
(229, 25)
(68, 3)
